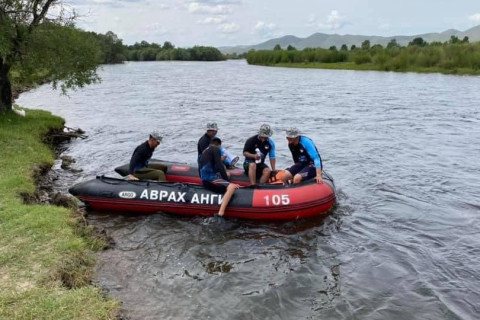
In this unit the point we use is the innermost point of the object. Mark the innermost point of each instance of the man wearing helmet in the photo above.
(308, 163)
(140, 168)
(204, 141)
(255, 151)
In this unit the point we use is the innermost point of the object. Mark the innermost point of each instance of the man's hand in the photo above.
(131, 177)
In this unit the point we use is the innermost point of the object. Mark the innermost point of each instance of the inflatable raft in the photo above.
(181, 172)
(183, 195)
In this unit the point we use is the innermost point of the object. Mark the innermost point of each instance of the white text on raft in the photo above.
(180, 197)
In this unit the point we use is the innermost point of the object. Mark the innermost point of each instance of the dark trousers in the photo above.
(154, 171)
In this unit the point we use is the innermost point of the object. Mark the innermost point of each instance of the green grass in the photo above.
(373, 67)
(46, 261)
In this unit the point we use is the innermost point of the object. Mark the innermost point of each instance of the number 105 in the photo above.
(277, 199)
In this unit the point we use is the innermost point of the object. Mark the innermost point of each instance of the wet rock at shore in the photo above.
(67, 162)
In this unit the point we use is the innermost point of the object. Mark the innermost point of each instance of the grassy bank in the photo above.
(372, 67)
(46, 259)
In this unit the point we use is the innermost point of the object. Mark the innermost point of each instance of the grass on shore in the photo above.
(373, 67)
(46, 261)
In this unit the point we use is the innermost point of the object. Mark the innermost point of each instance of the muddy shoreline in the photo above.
(44, 179)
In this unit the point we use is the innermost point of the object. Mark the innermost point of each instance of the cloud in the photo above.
(213, 20)
(154, 29)
(334, 21)
(265, 30)
(229, 27)
(196, 7)
(217, 1)
(475, 18)
(109, 3)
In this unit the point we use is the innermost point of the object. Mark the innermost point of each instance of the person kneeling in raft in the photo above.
(140, 168)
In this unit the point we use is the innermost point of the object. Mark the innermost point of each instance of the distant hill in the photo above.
(323, 40)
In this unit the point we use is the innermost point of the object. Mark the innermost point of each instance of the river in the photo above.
(402, 243)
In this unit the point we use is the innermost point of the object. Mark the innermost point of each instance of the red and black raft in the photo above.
(185, 173)
(183, 195)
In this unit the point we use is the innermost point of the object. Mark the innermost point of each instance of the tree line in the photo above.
(455, 55)
(145, 51)
(114, 51)
(39, 42)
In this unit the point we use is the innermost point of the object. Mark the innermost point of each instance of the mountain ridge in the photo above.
(325, 40)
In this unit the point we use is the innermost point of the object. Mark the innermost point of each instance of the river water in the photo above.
(402, 243)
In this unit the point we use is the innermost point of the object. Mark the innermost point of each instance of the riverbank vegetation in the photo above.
(145, 51)
(453, 57)
(46, 259)
(38, 46)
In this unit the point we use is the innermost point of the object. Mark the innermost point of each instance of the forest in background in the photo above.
(453, 56)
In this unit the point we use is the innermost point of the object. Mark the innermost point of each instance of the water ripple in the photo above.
(402, 242)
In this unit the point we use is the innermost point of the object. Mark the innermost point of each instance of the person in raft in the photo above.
(255, 151)
(204, 141)
(140, 168)
(214, 175)
(212, 128)
(308, 163)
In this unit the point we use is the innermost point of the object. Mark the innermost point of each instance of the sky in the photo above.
(186, 23)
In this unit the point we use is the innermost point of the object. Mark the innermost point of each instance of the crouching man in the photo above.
(214, 175)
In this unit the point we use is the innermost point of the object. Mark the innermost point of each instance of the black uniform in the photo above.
(140, 157)
(212, 171)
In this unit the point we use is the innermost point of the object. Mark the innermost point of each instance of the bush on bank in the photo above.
(450, 57)
(46, 262)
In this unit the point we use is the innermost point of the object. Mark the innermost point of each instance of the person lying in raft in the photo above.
(140, 168)
(255, 151)
(308, 163)
(214, 175)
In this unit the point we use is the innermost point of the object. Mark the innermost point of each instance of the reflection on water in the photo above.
(402, 242)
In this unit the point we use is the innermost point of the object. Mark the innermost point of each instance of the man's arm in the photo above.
(312, 152)
(203, 144)
(134, 160)
(271, 154)
(219, 163)
(315, 156)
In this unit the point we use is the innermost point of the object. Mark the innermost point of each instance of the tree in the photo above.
(418, 42)
(454, 40)
(392, 44)
(38, 47)
(113, 50)
(344, 47)
(168, 45)
(366, 45)
(277, 47)
(291, 48)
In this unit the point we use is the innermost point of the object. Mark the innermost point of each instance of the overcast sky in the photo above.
(186, 23)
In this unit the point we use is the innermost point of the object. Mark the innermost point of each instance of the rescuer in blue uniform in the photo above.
(214, 175)
(306, 158)
(265, 146)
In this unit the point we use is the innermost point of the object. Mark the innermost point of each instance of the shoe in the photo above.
(234, 161)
